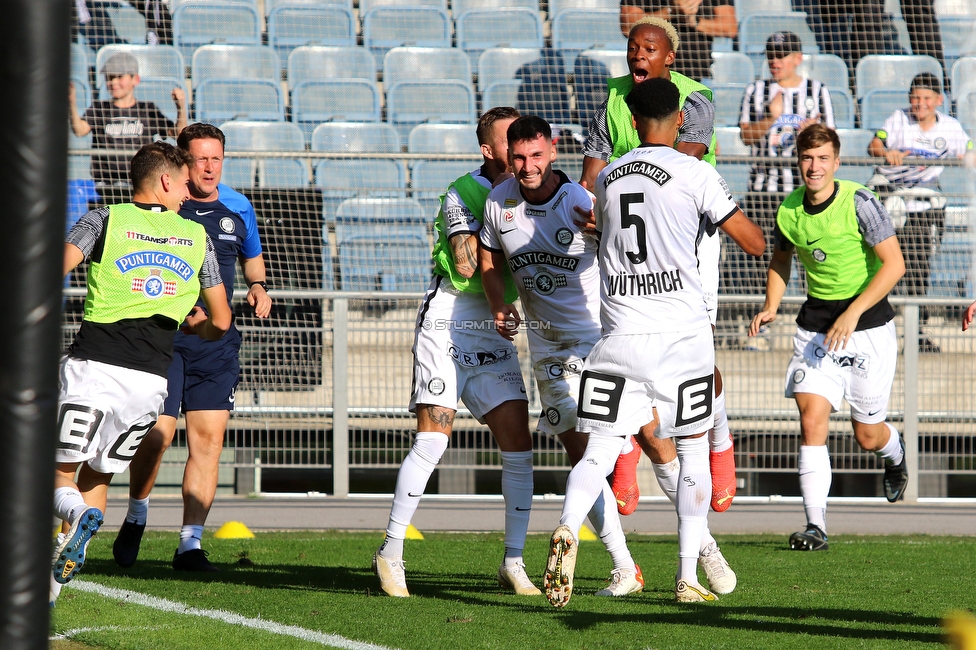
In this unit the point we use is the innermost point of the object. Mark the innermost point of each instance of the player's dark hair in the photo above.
(528, 127)
(654, 99)
(817, 135)
(488, 119)
(199, 131)
(155, 159)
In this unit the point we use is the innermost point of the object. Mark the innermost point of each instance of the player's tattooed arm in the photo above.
(465, 247)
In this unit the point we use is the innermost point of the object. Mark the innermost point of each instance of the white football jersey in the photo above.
(554, 264)
(652, 207)
(946, 139)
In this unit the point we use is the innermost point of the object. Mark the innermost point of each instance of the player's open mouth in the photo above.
(639, 75)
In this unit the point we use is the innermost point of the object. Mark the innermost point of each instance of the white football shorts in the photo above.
(557, 368)
(862, 373)
(104, 412)
(458, 355)
(626, 376)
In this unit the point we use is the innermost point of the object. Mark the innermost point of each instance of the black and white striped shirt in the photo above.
(809, 99)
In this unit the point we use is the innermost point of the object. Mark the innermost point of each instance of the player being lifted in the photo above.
(529, 227)
(454, 362)
(845, 345)
(651, 49)
(655, 358)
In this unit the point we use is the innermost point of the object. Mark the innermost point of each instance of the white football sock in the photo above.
(718, 436)
(190, 536)
(138, 511)
(667, 478)
(68, 503)
(815, 477)
(606, 522)
(891, 452)
(517, 490)
(694, 495)
(587, 478)
(415, 471)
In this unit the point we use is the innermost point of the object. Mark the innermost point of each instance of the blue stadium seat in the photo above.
(727, 99)
(966, 112)
(425, 64)
(80, 65)
(755, 28)
(444, 138)
(409, 103)
(951, 266)
(270, 5)
(220, 100)
(79, 165)
(239, 173)
(543, 90)
(154, 60)
(198, 22)
(386, 27)
(269, 136)
(382, 245)
(878, 104)
(235, 62)
(500, 93)
(511, 27)
(845, 109)
(351, 137)
(344, 100)
(461, 7)
(366, 5)
(558, 6)
(963, 77)
(892, 71)
(574, 31)
(957, 33)
(854, 142)
(128, 23)
(430, 178)
(501, 63)
(291, 26)
(730, 143)
(958, 184)
(323, 63)
(732, 68)
(590, 82)
(615, 60)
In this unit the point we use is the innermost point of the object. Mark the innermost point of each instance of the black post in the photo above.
(34, 65)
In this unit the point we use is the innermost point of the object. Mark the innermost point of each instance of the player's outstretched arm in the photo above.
(777, 277)
(217, 324)
(255, 275)
(591, 169)
(745, 233)
(464, 247)
(967, 317)
(73, 256)
(506, 317)
(892, 268)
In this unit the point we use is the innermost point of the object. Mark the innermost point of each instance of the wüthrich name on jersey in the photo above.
(644, 168)
(521, 260)
(644, 284)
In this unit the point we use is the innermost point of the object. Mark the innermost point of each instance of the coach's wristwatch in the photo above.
(261, 283)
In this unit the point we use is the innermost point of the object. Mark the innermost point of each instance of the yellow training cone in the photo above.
(413, 533)
(961, 630)
(233, 530)
(587, 535)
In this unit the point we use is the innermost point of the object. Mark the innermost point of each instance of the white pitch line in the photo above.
(163, 605)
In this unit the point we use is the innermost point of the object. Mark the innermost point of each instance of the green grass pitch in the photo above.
(865, 592)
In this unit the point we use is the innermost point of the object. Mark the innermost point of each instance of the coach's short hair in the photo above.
(488, 119)
(654, 99)
(817, 135)
(199, 131)
(155, 159)
(528, 127)
(660, 23)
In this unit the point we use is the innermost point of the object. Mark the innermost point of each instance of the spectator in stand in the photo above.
(773, 112)
(159, 30)
(697, 22)
(911, 192)
(122, 122)
(851, 29)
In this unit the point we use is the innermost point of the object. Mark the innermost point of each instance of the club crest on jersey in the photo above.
(153, 286)
(940, 143)
(544, 282)
(553, 416)
(564, 236)
(819, 255)
(227, 225)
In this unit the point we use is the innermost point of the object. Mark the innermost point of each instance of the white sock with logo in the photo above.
(517, 488)
(693, 497)
(68, 503)
(190, 538)
(415, 471)
(667, 477)
(606, 523)
(587, 478)
(815, 476)
(138, 511)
